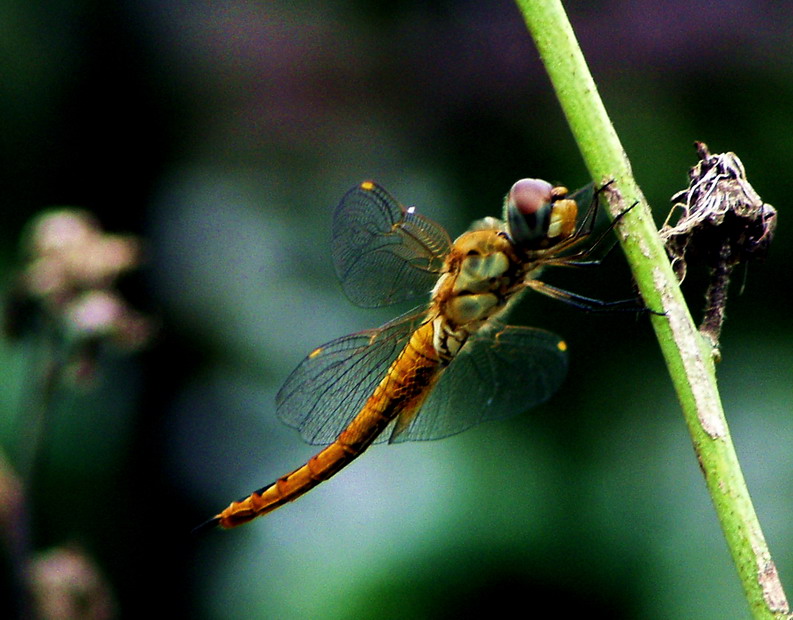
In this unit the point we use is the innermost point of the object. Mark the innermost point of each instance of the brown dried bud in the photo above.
(723, 222)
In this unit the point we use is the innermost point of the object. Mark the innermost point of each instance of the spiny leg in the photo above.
(590, 304)
(571, 260)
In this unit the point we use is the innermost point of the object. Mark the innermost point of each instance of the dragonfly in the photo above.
(444, 367)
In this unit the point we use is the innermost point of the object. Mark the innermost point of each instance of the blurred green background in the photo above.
(224, 134)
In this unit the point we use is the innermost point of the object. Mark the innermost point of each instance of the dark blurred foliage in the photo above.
(223, 134)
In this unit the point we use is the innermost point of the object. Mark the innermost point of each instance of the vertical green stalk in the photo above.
(687, 356)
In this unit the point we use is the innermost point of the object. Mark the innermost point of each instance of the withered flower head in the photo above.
(723, 222)
(722, 219)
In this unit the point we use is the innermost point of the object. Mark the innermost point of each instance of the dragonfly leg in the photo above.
(572, 259)
(590, 304)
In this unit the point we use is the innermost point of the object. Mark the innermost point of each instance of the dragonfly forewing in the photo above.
(384, 253)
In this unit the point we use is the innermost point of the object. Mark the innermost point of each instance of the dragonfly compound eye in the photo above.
(527, 211)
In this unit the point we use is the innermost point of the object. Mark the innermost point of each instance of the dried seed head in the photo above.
(723, 222)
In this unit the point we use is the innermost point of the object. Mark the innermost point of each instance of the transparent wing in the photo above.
(384, 253)
(497, 374)
(583, 196)
(330, 386)
(587, 200)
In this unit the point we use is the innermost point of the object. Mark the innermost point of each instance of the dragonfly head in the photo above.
(539, 215)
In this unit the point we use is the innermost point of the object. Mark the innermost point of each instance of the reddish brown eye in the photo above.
(529, 195)
(527, 210)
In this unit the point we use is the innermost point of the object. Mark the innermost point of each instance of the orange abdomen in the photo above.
(402, 391)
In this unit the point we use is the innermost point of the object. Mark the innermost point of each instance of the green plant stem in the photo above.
(688, 356)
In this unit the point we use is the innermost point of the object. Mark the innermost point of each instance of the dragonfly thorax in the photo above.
(481, 275)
